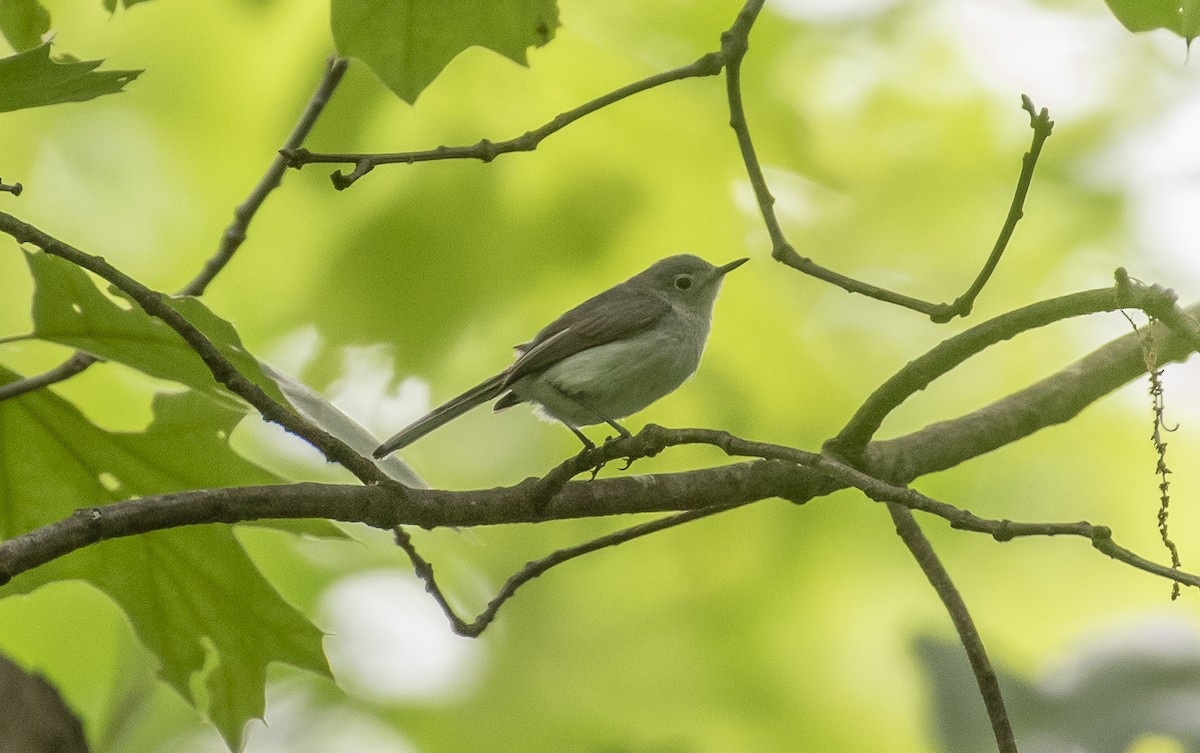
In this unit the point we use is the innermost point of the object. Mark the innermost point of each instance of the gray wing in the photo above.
(617, 313)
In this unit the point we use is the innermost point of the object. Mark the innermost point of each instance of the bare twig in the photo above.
(14, 189)
(235, 234)
(537, 567)
(154, 304)
(734, 45)
(985, 676)
(65, 370)
(1042, 125)
(485, 150)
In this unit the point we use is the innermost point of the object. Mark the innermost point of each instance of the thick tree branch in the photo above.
(920, 372)
(784, 472)
(1054, 400)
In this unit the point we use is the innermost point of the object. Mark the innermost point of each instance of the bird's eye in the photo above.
(683, 282)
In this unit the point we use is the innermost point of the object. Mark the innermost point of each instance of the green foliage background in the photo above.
(892, 142)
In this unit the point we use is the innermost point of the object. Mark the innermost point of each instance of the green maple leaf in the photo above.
(69, 309)
(192, 595)
(408, 42)
(32, 79)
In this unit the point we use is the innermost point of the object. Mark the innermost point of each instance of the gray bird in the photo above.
(607, 358)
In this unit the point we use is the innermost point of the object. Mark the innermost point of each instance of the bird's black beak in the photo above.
(724, 269)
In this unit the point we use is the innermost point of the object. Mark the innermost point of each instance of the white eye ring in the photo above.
(683, 282)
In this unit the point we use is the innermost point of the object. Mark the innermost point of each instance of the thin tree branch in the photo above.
(734, 45)
(231, 239)
(235, 234)
(537, 567)
(154, 304)
(78, 362)
(1042, 125)
(485, 150)
(985, 677)
(14, 189)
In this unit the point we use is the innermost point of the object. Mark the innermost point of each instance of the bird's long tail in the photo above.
(448, 411)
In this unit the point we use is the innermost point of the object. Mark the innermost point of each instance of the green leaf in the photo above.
(1106, 692)
(69, 309)
(32, 79)
(23, 22)
(1179, 16)
(408, 42)
(190, 592)
(1191, 20)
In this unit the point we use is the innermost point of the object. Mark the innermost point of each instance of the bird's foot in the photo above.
(628, 458)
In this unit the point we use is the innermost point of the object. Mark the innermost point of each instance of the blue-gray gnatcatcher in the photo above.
(605, 359)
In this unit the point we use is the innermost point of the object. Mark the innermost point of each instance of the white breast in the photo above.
(616, 380)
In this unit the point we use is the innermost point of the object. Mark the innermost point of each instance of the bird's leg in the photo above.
(625, 433)
(588, 446)
(587, 443)
(600, 418)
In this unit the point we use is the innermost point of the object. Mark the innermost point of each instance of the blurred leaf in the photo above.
(23, 22)
(69, 309)
(1179, 16)
(326, 415)
(1105, 696)
(32, 79)
(408, 42)
(189, 593)
(34, 718)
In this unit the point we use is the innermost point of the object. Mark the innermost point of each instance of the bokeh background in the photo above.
(891, 133)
